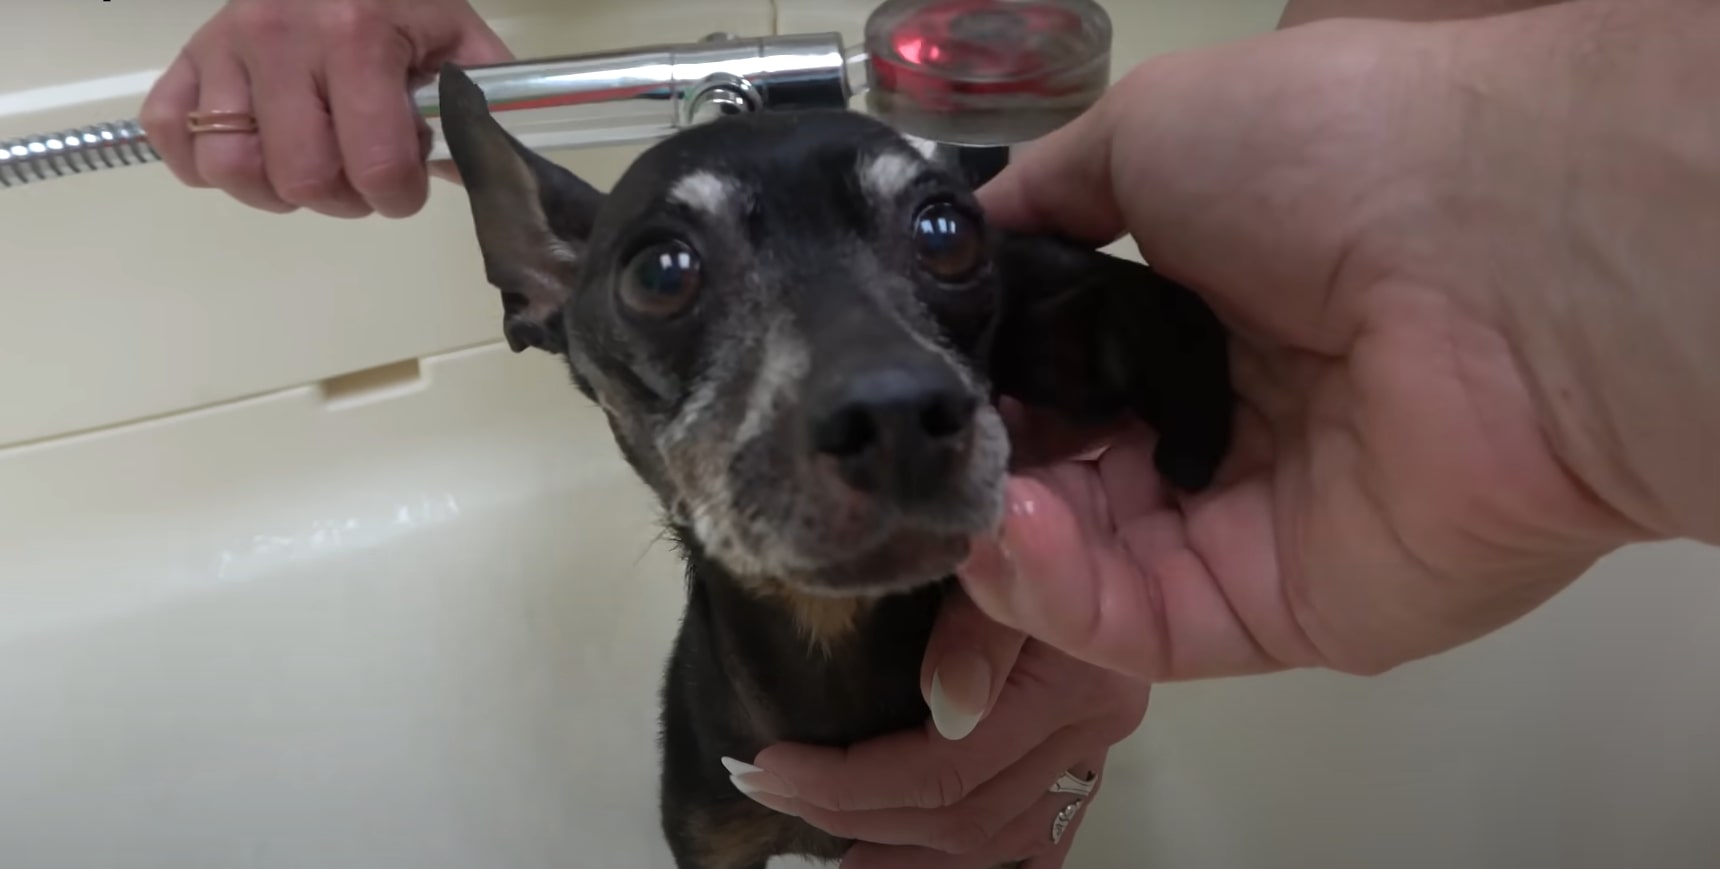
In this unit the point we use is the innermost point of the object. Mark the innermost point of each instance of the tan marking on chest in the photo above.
(742, 834)
(825, 621)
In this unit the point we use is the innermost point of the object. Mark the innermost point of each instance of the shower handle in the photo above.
(576, 101)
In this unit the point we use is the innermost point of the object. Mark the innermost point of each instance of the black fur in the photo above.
(731, 638)
(800, 251)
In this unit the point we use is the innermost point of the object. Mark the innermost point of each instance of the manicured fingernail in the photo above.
(751, 780)
(961, 687)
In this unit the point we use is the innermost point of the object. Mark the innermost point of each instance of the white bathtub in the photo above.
(258, 612)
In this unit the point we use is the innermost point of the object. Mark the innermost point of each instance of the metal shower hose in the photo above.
(71, 152)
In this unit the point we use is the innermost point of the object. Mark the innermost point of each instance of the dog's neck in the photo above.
(849, 665)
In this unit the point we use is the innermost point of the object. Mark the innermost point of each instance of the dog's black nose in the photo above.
(895, 430)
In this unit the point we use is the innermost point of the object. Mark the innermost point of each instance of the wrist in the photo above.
(1606, 268)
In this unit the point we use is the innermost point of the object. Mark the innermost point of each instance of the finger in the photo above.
(1140, 602)
(232, 161)
(302, 158)
(1038, 437)
(967, 663)
(375, 122)
(1061, 183)
(1030, 837)
(1054, 857)
(1077, 482)
(977, 824)
(170, 102)
(476, 45)
(1129, 480)
(1049, 576)
(920, 769)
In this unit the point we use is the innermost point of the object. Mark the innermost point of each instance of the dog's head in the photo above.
(783, 316)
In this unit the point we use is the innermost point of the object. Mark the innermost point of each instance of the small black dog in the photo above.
(796, 324)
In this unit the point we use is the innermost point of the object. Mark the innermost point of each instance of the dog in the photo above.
(797, 324)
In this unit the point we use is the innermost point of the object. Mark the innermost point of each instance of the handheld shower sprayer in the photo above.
(962, 72)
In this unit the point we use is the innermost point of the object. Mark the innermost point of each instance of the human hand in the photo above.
(1371, 227)
(1018, 715)
(329, 85)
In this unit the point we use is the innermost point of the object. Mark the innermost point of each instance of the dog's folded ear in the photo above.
(533, 218)
(1097, 337)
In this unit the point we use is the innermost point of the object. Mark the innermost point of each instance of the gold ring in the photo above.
(220, 122)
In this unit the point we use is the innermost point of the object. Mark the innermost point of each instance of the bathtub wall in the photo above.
(299, 567)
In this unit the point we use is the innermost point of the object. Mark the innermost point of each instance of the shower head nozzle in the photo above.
(985, 72)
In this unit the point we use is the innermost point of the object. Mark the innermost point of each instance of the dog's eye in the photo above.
(948, 243)
(662, 280)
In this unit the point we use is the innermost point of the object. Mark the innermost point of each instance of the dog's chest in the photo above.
(845, 688)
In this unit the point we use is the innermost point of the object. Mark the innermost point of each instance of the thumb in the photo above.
(478, 45)
(968, 660)
(1047, 575)
(1061, 183)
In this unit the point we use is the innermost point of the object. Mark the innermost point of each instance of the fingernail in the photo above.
(751, 780)
(961, 686)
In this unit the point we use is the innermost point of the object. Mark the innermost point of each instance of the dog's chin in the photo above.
(902, 562)
(880, 551)
(862, 549)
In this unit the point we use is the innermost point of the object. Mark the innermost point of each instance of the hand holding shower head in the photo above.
(964, 72)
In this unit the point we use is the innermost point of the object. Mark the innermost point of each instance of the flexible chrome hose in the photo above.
(71, 152)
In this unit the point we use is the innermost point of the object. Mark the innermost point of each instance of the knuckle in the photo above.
(835, 823)
(944, 787)
(157, 118)
(833, 797)
(1025, 842)
(310, 188)
(841, 799)
(1123, 720)
(962, 834)
(385, 178)
(351, 19)
(261, 19)
(1117, 729)
(230, 167)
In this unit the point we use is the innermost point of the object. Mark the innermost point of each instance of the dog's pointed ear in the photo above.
(533, 218)
(1096, 337)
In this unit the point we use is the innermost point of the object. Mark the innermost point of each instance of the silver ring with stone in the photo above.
(1064, 818)
(1069, 784)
